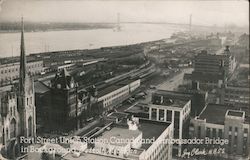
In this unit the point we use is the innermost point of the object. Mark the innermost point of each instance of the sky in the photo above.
(220, 13)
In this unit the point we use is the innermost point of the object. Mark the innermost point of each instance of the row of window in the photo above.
(116, 94)
(214, 133)
(160, 151)
(16, 69)
(12, 77)
(110, 102)
(154, 114)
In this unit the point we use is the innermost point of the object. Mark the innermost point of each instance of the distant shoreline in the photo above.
(46, 27)
(51, 30)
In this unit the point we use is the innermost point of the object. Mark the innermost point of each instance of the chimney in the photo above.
(195, 85)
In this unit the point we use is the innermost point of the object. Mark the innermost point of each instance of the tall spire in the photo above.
(22, 74)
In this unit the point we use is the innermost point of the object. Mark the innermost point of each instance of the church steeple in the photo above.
(22, 74)
(26, 96)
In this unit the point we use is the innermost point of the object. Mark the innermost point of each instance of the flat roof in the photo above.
(138, 108)
(167, 93)
(119, 133)
(113, 87)
(126, 81)
(118, 115)
(89, 156)
(107, 90)
(179, 103)
(215, 113)
(206, 76)
(151, 129)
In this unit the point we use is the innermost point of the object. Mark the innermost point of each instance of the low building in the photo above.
(139, 139)
(10, 72)
(198, 97)
(234, 95)
(224, 122)
(164, 109)
(113, 95)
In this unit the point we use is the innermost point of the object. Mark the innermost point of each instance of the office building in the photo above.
(225, 122)
(213, 70)
(138, 139)
(234, 95)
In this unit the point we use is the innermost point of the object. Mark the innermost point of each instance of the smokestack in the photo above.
(195, 85)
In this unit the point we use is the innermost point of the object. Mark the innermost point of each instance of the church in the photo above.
(17, 108)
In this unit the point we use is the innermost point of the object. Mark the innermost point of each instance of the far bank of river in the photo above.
(37, 42)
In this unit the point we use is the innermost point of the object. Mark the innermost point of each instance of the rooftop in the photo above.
(118, 115)
(151, 129)
(206, 75)
(138, 108)
(215, 113)
(170, 102)
(40, 87)
(119, 133)
(173, 94)
(107, 90)
(103, 91)
(89, 156)
(125, 82)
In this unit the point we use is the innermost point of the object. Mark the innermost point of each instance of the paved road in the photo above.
(168, 84)
(175, 81)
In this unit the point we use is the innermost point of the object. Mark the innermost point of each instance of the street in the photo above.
(174, 82)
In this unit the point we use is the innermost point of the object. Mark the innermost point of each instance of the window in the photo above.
(220, 133)
(235, 140)
(199, 131)
(214, 132)
(230, 128)
(245, 130)
(169, 115)
(208, 132)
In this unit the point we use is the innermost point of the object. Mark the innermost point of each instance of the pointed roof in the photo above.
(22, 74)
(65, 73)
(64, 79)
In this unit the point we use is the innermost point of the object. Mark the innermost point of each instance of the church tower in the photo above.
(26, 96)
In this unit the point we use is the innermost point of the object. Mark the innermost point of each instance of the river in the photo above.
(36, 42)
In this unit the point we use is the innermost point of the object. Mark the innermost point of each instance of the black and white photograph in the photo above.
(124, 80)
